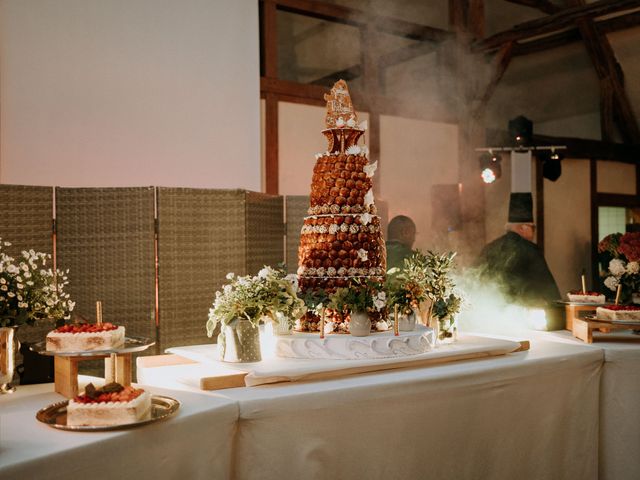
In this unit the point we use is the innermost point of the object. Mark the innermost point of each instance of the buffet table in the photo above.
(619, 401)
(194, 444)
(529, 415)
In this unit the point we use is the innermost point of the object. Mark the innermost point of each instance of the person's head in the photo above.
(402, 229)
(526, 230)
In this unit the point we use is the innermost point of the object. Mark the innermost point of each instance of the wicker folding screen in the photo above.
(295, 211)
(26, 216)
(105, 237)
(202, 235)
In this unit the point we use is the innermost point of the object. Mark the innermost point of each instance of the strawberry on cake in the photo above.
(84, 337)
(624, 313)
(579, 296)
(112, 404)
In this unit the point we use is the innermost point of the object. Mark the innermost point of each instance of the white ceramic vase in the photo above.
(360, 324)
(407, 323)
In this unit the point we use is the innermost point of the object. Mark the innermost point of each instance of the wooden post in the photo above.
(66, 376)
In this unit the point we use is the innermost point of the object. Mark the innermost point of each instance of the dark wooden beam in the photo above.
(544, 6)
(617, 200)
(271, 170)
(337, 13)
(566, 18)
(578, 148)
(270, 39)
(572, 35)
(502, 60)
(539, 205)
(609, 72)
(593, 193)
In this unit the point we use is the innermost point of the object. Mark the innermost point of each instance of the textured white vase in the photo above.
(407, 323)
(359, 325)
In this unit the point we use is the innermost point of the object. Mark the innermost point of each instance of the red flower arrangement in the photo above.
(630, 246)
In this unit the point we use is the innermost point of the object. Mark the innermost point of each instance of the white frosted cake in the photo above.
(626, 313)
(111, 405)
(586, 297)
(80, 338)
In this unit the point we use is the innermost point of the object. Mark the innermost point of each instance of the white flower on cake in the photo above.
(333, 229)
(342, 271)
(633, 268)
(617, 267)
(340, 122)
(366, 218)
(318, 155)
(611, 283)
(351, 122)
(365, 150)
(353, 150)
(331, 272)
(320, 271)
(300, 270)
(363, 255)
(344, 228)
(353, 228)
(328, 327)
(370, 169)
(368, 198)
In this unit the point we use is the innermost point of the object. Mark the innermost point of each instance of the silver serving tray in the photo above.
(55, 415)
(131, 345)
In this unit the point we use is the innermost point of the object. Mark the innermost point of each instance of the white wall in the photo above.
(130, 92)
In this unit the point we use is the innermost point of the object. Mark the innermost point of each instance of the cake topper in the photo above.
(340, 111)
(341, 120)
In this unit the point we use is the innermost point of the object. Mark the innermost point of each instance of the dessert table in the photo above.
(528, 415)
(619, 401)
(193, 444)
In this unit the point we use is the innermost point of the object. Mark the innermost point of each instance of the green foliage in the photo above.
(360, 296)
(272, 293)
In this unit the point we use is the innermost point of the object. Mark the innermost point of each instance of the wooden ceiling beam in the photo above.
(352, 16)
(567, 37)
(564, 19)
(544, 6)
(501, 62)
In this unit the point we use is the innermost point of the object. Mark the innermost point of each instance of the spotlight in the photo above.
(521, 131)
(551, 165)
(490, 167)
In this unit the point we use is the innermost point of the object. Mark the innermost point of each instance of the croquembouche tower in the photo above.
(341, 238)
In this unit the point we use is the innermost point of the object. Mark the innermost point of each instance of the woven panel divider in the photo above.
(203, 235)
(295, 211)
(26, 218)
(105, 237)
(265, 230)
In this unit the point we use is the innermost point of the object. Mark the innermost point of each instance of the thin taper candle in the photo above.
(618, 293)
(584, 285)
(99, 312)
(396, 327)
(322, 323)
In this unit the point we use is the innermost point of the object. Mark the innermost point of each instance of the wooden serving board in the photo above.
(583, 328)
(217, 376)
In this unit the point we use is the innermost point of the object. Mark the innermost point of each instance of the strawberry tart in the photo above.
(624, 313)
(85, 337)
(579, 296)
(112, 404)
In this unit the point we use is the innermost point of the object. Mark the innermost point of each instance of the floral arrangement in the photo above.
(271, 294)
(30, 290)
(621, 255)
(407, 287)
(360, 296)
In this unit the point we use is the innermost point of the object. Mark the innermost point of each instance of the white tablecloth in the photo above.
(194, 444)
(530, 415)
(620, 402)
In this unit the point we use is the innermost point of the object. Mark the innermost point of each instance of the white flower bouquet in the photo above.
(30, 290)
(271, 294)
